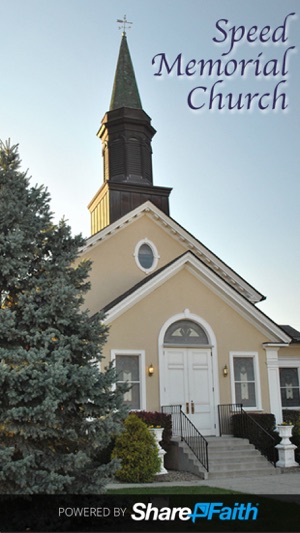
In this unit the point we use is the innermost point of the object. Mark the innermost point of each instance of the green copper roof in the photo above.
(125, 91)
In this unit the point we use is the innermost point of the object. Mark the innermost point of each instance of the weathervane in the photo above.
(124, 22)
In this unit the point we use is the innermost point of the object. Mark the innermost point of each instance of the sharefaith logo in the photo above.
(206, 511)
(240, 511)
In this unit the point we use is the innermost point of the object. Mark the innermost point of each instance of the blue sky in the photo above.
(234, 173)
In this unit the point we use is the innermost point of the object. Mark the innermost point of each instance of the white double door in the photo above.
(188, 381)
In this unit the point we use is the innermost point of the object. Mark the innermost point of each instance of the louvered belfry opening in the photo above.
(126, 135)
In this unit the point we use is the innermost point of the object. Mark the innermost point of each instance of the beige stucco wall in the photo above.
(139, 327)
(114, 271)
(291, 351)
(114, 267)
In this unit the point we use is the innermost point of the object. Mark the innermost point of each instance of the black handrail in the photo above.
(226, 412)
(234, 420)
(185, 429)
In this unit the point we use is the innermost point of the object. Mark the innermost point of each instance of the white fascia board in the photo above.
(141, 293)
(240, 304)
(94, 240)
(233, 298)
(206, 255)
(274, 344)
(191, 243)
(216, 284)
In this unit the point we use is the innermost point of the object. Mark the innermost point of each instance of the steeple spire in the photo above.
(126, 134)
(125, 90)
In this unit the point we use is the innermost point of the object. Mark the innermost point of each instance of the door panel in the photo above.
(176, 379)
(188, 378)
(200, 388)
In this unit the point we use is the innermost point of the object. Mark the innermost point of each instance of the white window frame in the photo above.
(291, 362)
(254, 357)
(156, 256)
(142, 371)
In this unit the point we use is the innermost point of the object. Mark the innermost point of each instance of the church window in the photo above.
(130, 369)
(244, 380)
(146, 255)
(127, 368)
(289, 387)
(185, 332)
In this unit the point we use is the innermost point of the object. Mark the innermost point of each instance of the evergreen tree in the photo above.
(57, 410)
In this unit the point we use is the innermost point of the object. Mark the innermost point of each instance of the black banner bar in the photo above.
(155, 513)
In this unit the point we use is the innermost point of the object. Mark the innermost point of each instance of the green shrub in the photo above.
(158, 419)
(246, 426)
(290, 416)
(296, 439)
(137, 450)
(266, 420)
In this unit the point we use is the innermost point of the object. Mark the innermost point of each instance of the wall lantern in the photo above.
(150, 371)
(225, 371)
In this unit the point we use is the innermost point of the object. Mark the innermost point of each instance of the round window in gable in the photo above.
(146, 255)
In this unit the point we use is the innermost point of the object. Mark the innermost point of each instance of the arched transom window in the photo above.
(185, 332)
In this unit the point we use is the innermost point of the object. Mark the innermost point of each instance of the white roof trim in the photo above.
(215, 283)
(191, 243)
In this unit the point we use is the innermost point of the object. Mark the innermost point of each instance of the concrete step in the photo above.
(227, 442)
(244, 473)
(238, 466)
(228, 457)
(233, 456)
(238, 457)
(247, 462)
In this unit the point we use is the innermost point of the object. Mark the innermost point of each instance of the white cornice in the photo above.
(186, 239)
(228, 294)
(107, 232)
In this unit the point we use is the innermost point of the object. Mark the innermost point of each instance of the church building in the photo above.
(184, 328)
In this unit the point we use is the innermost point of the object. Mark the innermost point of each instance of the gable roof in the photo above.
(292, 332)
(187, 240)
(212, 280)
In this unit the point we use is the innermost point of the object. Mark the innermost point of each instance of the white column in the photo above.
(274, 383)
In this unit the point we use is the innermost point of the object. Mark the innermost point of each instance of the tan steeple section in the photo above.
(126, 134)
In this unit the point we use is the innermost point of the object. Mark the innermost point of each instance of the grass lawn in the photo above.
(171, 490)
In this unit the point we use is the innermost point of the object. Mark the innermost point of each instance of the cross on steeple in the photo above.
(124, 22)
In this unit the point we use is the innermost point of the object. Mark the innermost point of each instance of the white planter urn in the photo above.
(286, 450)
(157, 432)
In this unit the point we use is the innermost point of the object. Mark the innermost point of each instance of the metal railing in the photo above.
(235, 421)
(182, 427)
(225, 413)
